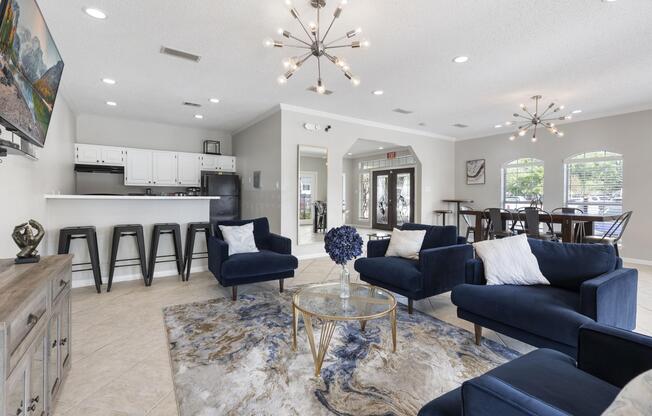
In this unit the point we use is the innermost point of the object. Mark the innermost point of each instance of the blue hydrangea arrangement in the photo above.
(343, 244)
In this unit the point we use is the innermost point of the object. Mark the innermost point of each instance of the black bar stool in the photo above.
(127, 230)
(160, 229)
(88, 233)
(193, 228)
(443, 213)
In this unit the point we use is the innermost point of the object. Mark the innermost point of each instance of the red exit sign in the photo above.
(391, 155)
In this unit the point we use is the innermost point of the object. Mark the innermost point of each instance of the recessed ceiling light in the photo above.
(350, 154)
(608, 1)
(508, 123)
(198, 116)
(95, 13)
(111, 103)
(497, 126)
(214, 100)
(108, 81)
(381, 148)
(378, 92)
(577, 111)
(460, 59)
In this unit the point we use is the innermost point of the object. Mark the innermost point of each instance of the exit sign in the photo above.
(391, 155)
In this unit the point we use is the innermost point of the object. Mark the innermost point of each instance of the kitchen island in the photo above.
(106, 211)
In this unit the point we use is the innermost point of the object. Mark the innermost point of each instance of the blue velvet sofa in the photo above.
(440, 266)
(274, 261)
(548, 383)
(587, 284)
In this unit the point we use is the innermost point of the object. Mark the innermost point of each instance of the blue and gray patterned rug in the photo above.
(236, 359)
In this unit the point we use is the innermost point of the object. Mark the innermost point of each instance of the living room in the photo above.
(432, 208)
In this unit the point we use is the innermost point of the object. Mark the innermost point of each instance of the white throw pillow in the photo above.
(634, 398)
(509, 261)
(239, 238)
(405, 244)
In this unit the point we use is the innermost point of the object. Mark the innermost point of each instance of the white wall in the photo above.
(436, 156)
(628, 134)
(24, 182)
(94, 129)
(258, 148)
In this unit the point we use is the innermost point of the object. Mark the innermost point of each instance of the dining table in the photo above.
(567, 221)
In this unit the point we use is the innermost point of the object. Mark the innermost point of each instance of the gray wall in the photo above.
(628, 134)
(23, 182)
(113, 131)
(258, 147)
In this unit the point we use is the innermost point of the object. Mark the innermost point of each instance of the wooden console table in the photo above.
(34, 334)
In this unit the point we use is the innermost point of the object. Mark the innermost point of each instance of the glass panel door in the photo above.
(393, 198)
(381, 200)
(403, 198)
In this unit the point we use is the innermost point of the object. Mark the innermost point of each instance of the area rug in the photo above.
(236, 358)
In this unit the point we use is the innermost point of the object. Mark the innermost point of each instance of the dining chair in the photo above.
(320, 216)
(613, 234)
(579, 231)
(532, 224)
(537, 202)
(470, 225)
(496, 226)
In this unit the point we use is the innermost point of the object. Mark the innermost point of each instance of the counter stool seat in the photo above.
(160, 229)
(88, 233)
(189, 256)
(127, 230)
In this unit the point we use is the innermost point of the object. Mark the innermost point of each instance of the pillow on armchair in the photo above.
(239, 238)
(509, 261)
(406, 244)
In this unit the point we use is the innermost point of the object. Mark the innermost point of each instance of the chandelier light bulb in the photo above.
(365, 43)
(512, 137)
(534, 139)
(569, 117)
(508, 123)
(268, 43)
(560, 133)
(282, 80)
(522, 106)
(522, 133)
(321, 89)
(355, 81)
(313, 27)
(288, 3)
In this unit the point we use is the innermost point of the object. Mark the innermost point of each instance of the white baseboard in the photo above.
(135, 276)
(638, 261)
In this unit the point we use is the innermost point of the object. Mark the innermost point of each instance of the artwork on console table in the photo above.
(475, 172)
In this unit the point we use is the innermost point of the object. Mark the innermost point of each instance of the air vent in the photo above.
(180, 54)
(314, 89)
(460, 125)
(422, 124)
(402, 111)
(189, 104)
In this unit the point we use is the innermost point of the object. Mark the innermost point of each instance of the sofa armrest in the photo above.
(377, 248)
(279, 244)
(475, 272)
(444, 267)
(613, 355)
(462, 240)
(611, 298)
(218, 252)
(490, 396)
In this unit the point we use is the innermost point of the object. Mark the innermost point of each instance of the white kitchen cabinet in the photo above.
(189, 169)
(209, 162)
(113, 156)
(218, 163)
(91, 154)
(164, 168)
(138, 170)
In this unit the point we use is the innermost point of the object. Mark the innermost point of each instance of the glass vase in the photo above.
(345, 283)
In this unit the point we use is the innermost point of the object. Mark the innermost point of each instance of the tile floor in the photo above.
(120, 362)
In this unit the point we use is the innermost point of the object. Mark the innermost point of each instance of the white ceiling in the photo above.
(364, 147)
(589, 54)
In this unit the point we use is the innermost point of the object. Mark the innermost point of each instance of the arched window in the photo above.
(594, 182)
(522, 182)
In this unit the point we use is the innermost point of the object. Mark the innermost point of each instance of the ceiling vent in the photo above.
(180, 54)
(189, 104)
(402, 111)
(460, 125)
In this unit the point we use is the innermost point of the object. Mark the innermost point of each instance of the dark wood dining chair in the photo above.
(530, 219)
(613, 234)
(496, 225)
(579, 231)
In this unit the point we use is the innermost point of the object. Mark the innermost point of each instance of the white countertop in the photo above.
(131, 197)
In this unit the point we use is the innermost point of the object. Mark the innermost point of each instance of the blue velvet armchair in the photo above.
(440, 267)
(549, 383)
(587, 284)
(274, 261)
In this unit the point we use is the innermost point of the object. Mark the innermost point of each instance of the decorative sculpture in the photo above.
(27, 237)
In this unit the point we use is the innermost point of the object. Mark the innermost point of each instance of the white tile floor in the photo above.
(120, 362)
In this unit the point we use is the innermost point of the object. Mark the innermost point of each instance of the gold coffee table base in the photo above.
(370, 303)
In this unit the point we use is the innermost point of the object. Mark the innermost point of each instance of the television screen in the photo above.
(30, 70)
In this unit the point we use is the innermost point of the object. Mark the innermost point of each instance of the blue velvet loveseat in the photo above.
(274, 261)
(549, 383)
(440, 267)
(587, 284)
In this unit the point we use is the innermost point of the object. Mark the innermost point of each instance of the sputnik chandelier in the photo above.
(533, 120)
(315, 45)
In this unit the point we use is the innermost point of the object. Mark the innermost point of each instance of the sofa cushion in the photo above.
(436, 236)
(254, 264)
(568, 265)
(551, 377)
(449, 404)
(261, 229)
(393, 271)
(546, 311)
(509, 261)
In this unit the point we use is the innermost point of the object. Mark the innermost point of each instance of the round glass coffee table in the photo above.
(323, 302)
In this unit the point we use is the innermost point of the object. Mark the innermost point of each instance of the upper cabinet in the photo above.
(138, 170)
(218, 163)
(90, 154)
(189, 169)
(164, 169)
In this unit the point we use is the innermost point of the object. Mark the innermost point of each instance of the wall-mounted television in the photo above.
(30, 70)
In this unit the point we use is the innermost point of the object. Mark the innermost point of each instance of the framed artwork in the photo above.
(475, 172)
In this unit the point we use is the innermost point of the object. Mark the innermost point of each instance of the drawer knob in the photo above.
(32, 319)
(19, 411)
(62, 283)
(54, 344)
(63, 341)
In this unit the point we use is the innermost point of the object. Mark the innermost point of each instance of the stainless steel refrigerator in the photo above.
(227, 188)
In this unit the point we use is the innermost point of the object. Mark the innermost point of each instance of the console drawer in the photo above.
(29, 315)
(60, 284)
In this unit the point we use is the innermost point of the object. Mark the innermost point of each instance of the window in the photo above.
(365, 193)
(594, 183)
(522, 182)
